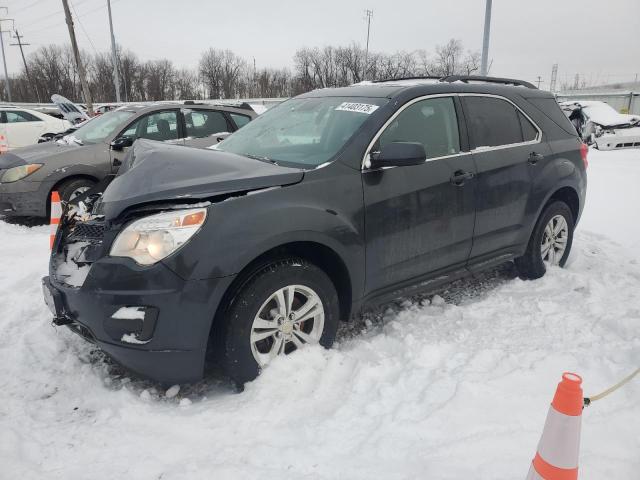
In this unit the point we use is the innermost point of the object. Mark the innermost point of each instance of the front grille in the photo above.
(86, 231)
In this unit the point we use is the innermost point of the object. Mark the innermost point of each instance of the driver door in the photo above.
(162, 125)
(419, 219)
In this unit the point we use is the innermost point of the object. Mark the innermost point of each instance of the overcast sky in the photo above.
(595, 38)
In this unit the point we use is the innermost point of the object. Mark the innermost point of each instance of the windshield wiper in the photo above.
(262, 159)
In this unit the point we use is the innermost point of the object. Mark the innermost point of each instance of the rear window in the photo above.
(492, 122)
(551, 109)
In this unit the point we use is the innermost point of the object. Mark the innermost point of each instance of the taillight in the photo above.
(584, 151)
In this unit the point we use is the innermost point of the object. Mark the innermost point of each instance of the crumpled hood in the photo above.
(38, 153)
(156, 172)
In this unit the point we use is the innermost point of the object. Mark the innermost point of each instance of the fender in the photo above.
(271, 220)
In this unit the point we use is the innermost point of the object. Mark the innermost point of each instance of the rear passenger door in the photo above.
(419, 219)
(22, 128)
(506, 147)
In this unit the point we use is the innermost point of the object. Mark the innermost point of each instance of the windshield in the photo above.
(100, 128)
(304, 132)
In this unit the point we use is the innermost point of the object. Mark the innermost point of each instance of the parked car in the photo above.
(23, 126)
(600, 125)
(329, 203)
(77, 162)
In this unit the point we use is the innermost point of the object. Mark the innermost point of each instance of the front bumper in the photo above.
(169, 345)
(24, 198)
(622, 138)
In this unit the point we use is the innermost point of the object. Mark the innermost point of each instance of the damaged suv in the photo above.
(331, 202)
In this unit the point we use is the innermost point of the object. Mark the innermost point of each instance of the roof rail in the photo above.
(481, 78)
(419, 77)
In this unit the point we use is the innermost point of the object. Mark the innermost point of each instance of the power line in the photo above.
(86, 34)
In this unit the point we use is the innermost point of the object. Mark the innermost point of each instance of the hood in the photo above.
(156, 172)
(38, 153)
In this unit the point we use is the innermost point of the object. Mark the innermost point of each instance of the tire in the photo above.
(236, 351)
(532, 265)
(70, 187)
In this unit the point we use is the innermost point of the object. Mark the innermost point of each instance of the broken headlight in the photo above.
(150, 239)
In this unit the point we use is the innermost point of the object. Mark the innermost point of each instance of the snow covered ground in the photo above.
(453, 387)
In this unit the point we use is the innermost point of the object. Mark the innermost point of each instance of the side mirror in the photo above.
(399, 154)
(122, 143)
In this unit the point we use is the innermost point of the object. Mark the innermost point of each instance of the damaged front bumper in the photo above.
(148, 319)
(24, 198)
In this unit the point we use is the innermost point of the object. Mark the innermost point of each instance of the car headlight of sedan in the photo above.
(18, 173)
(150, 239)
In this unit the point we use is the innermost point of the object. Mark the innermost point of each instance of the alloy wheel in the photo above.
(554, 240)
(290, 318)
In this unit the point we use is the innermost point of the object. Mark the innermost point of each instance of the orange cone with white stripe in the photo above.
(557, 455)
(56, 214)
(4, 146)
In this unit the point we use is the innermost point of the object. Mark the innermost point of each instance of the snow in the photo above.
(449, 387)
(602, 113)
(129, 313)
(132, 338)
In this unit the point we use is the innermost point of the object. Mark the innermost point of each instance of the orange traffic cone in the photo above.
(56, 214)
(4, 146)
(557, 455)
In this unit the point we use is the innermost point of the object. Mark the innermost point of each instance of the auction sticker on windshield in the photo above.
(357, 107)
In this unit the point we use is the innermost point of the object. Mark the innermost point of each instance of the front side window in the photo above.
(160, 126)
(98, 129)
(203, 123)
(492, 122)
(17, 116)
(431, 122)
(303, 132)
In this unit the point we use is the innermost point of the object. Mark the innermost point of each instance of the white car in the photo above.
(600, 125)
(22, 126)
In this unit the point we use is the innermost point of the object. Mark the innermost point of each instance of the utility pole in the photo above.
(485, 40)
(26, 68)
(4, 57)
(116, 77)
(539, 81)
(369, 14)
(76, 53)
(554, 78)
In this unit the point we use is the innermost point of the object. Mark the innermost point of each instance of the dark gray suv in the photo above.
(76, 163)
(329, 203)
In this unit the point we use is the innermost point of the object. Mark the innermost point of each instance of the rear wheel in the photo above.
(550, 242)
(283, 307)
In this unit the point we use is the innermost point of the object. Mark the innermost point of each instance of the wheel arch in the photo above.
(321, 255)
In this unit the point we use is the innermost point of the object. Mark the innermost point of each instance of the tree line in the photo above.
(222, 74)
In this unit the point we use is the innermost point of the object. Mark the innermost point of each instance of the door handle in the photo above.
(460, 176)
(535, 157)
(116, 162)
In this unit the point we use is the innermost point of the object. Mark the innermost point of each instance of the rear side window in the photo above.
(203, 123)
(241, 120)
(431, 122)
(492, 122)
(529, 131)
(550, 107)
(15, 116)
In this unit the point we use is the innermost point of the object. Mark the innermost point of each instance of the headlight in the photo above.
(152, 238)
(17, 173)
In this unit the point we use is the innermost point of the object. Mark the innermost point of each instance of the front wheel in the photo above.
(285, 306)
(550, 242)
